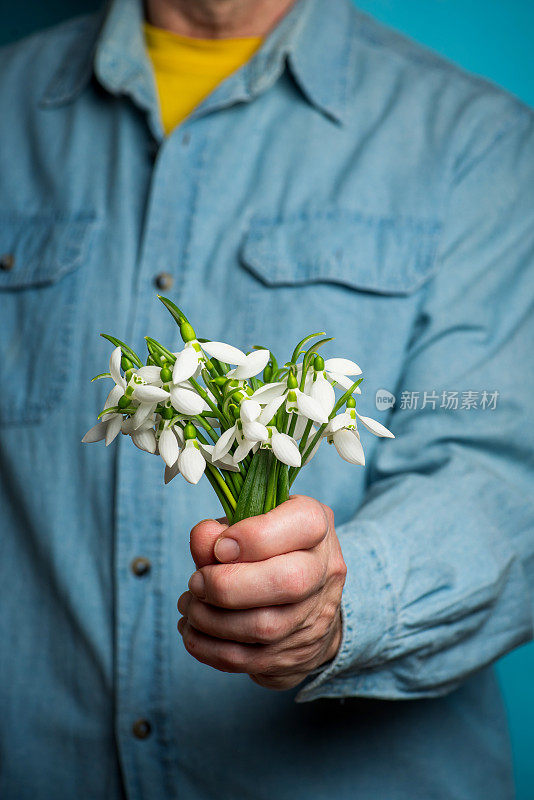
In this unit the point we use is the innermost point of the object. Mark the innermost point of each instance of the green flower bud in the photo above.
(190, 432)
(167, 412)
(351, 402)
(124, 402)
(187, 332)
(126, 364)
(234, 410)
(267, 373)
(165, 374)
(292, 382)
(318, 363)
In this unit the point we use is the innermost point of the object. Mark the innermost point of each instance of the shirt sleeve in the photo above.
(440, 555)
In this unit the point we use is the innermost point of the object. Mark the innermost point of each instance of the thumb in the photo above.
(202, 540)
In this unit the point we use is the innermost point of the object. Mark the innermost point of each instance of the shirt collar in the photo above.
(313, 40)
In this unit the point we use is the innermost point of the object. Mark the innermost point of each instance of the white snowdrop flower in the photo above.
(114, 425)
(191, 462)
(245, 434)
(348, 445)
(296, 401)
(145, 439)
(168, 446)
(112, 399)
(187, 362)
(254, 363)
(146, 393)
(249, 410)
(285, 448)
(186, 401)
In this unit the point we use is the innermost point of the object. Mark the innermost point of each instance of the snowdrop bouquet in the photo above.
(249, 435)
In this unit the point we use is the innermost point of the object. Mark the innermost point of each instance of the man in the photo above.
(342, 179)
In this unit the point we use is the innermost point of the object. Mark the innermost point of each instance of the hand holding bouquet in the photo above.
(206, 410)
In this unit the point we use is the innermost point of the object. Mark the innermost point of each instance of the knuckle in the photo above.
(296, 582)
(266, 628)
(220, 586)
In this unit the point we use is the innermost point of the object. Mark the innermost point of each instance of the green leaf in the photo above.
(159, 349)
(177, 314)
(126, 351)
(252, 496)
(102, 375)
(111, 410)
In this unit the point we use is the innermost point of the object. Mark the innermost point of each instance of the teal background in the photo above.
(493, 38)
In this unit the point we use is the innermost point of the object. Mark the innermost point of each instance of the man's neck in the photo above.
(217, 19)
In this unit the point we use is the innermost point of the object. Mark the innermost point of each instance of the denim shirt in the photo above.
(344, 180)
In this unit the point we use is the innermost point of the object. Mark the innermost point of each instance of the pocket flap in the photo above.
(372, 254)
(36, 250)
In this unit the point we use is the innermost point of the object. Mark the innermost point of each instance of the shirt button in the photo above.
(164, 281)
(140, 566)
(141, 728)
(7, 262)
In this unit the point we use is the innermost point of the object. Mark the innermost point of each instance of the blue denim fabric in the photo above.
(344, 180)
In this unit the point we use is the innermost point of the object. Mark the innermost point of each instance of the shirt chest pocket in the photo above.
(354, 276)
(39, 292)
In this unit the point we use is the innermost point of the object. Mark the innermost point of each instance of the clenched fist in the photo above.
(265, 599)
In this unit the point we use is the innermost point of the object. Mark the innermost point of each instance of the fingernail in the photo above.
(196, 584)
(226, 549)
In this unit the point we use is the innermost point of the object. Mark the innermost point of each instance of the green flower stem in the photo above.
(222, 497)
(205, 396)
(223, 486)
(270, 494)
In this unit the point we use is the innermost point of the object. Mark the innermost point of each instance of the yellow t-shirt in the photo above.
(187, 70)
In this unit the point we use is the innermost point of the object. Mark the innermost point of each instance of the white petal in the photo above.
(145, 440)
(114, 424)
(178, 432)
(224, 352)
(115, 367)
(249, 410)
(255, 363)
(226, 462)
(255, 431)
(143, 412)
(285, 449)
(171, 472)
(270, 410)
(349, 447)
(343, 381)
(342, 365)
(310, 408)
(339, 421)
(186, 401)
(150, 394)
(242, 450)
(324, 393)
(150, 374)
(224, 443)
(191, 462)
(113, 397)
(300, 426)
(375, 427)
(269, 391)
(186, 365)
(96, 433)
(168, 447)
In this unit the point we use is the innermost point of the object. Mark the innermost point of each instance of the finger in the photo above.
(202, 540)
(283, 579)
(269, 625)
(298, 524)
(222, 655)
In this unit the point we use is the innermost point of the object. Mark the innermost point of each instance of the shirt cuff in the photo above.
(368, 615)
